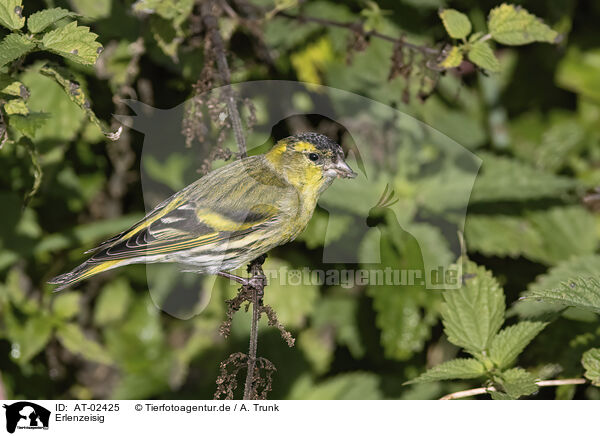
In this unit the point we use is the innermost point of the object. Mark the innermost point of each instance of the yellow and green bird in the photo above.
(230, 216)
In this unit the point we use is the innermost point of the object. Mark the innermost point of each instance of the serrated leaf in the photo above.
(507, 179)
(577, 292)
(547, 235)
(473, 314)
(513, 25)
(456, 23)
(591, 362)
(349, 386)
(482, 55)
(73, 42)
(65, 306)
(16, 106)
(515, 382)
(73, 339)
(453, 59)
(452, 369)
(11, 14)
(511, 341)
(14, 46)
(39, 21)
(77, 96)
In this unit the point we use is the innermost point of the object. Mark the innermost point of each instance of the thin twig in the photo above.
(255, 269)
(359, 29)
(212, 30)
(543, 383)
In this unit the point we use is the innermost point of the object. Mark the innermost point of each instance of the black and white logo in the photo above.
(26, 415)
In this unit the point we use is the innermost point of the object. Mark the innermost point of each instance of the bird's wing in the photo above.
(220, 207)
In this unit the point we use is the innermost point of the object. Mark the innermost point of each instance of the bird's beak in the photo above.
(342, 170)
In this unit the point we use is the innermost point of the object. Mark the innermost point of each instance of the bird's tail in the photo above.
(86, 270)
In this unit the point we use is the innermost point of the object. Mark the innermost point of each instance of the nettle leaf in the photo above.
(77, 96)
(511, 341)
(591, 362)
(40, 21)
(513, 25)
(11, 14)
(482, 55)
(502, 178)
(452, 369)
(16, 106)
(74, 340)
(473, 314)
(547, 235)
(578, 292)
(453, 59)
(515, 382)
(14, 46)
(73, 42)
(456, 23)
(12, 87)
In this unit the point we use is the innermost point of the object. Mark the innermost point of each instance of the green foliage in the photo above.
(456, 23)
(507, 24)
(73, 42)
(591, 362)
(578, 292)
(472, 317)
(41, 20)
(11, 14)
(513, 25)
(453, 369)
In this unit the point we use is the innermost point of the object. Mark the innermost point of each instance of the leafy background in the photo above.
(528, 310)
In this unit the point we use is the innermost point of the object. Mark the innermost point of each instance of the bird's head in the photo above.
(309, 159)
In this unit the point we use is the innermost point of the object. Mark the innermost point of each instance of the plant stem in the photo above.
(212, 30)
(543, 383)
(257, 288)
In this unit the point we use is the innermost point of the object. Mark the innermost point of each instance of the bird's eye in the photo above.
(313, 156)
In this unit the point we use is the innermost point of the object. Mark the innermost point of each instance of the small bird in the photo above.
(230, 216)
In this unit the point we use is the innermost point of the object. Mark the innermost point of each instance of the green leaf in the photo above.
(113, 302)
(73, 339)
(16, 106)
(13, 87)
(515, 382)
(578, 292)
(473, 314)
(453, 59)
(66, 306)
(591, 362)
(513, 25)
(32, 338)
(28, 124)
(506, 179)
(452, 369)
(350, 386)
(546, 235)
(11, 14)
(580, 72)
(39, 21)
(482, 55)
(73, 42)
(511, 341)
(317, 347)
(77, 96)
(456, 23)
(14, 46)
